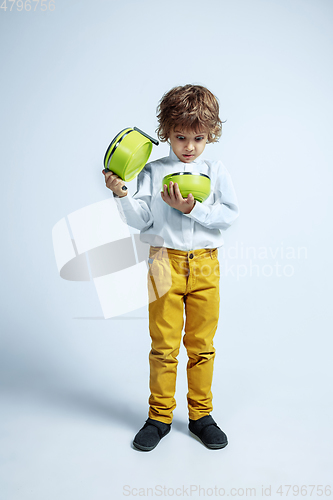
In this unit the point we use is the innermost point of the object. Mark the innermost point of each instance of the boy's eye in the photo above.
(180, 137)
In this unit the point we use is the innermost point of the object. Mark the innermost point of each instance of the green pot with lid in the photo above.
(128, 153)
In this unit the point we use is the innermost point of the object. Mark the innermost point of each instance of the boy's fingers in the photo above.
(177, 192)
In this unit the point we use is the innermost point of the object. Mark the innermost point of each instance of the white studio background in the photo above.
(75, 386)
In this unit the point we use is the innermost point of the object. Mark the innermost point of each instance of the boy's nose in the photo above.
(189, 146)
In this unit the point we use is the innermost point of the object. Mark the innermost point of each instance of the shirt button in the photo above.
(191, 256)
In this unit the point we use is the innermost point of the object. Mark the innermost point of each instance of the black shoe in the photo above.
(151, 434)
(207, 430)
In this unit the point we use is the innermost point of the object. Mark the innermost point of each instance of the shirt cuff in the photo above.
(126, 202)
(198, 212)
(118, 197)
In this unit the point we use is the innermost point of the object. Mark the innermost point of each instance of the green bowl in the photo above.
(128, 153)
(188, 182)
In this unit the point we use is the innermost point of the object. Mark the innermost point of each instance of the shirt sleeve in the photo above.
(135, 210)
(224, 210)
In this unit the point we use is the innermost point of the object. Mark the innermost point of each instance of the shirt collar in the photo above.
(174, 157)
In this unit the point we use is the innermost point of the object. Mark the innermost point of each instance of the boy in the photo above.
(183, 260)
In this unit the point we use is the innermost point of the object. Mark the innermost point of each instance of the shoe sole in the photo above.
(144, 448)
(210, 446)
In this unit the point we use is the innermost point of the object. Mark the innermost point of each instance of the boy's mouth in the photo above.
(188, 156)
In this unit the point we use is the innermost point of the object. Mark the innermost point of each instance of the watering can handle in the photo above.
(154, 141)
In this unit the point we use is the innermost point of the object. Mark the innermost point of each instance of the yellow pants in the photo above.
(176, 279)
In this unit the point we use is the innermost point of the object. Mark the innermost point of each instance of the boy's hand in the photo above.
(114, 182)
(175, 199)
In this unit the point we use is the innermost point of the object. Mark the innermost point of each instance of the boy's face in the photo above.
(187, 145)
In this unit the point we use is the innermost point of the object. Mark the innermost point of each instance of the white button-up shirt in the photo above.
(162, 225)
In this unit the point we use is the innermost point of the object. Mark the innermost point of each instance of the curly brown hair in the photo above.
(191, 107)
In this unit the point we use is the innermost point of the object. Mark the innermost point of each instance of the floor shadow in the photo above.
(74, 399)
(97, 405)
